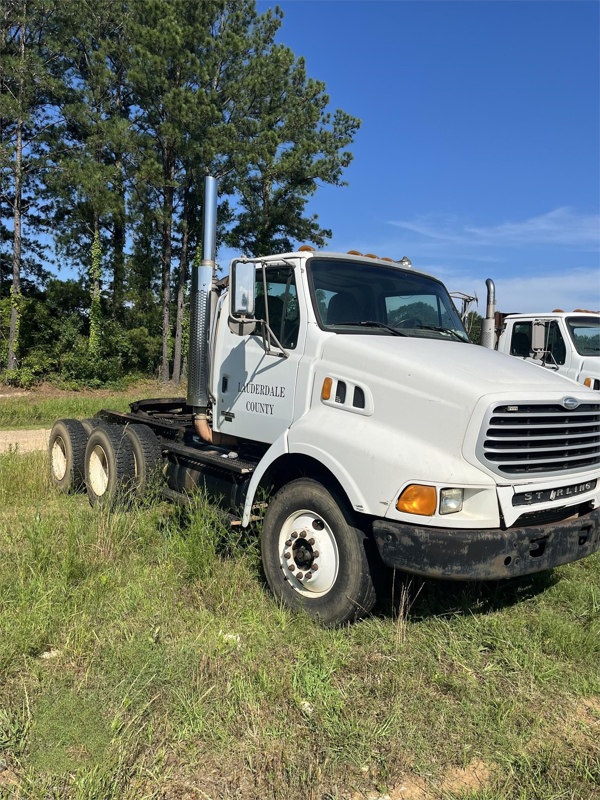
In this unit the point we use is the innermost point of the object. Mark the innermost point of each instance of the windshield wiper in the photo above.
(372, 324)
(442, 330)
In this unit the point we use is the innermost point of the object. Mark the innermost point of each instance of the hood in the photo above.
(441, 369)
(590, 367)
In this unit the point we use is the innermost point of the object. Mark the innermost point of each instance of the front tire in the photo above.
(314, 556)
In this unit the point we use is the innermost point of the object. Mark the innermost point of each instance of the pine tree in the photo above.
(296, 145)
(87, 182)
(95, 339)
(24, 115)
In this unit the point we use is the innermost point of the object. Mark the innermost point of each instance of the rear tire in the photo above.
(67, 455)
(147, 455)
(109, 465)
(90, 424)
(314, 556)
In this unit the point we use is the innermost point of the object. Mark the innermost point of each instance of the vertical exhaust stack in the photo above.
(200, 305)
(488, 332)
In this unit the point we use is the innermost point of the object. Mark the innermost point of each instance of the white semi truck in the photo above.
(339, 395)
(564, 342)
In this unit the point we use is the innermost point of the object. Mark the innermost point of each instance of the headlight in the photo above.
(451, 501)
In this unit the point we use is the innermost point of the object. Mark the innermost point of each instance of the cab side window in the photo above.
(281, 303)
(520, 342)
(556, 345)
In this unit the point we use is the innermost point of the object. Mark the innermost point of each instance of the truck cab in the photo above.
(569, 343)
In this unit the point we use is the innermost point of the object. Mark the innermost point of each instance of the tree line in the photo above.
(111, 113)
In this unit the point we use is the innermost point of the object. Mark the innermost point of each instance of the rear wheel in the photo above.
(147, 455)
(109, 465)
(314, 556)
(67, 454)
(90, 424)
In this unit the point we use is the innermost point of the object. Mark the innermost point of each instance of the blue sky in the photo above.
(478, 154)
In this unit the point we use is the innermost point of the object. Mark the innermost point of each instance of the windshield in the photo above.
(585, 332)
(350, 297)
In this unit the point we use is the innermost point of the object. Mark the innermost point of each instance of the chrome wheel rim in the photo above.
(98, 470)
(308, 553)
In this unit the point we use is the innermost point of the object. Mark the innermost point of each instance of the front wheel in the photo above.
(313, 555)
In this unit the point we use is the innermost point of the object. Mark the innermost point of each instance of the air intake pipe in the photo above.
(488, 325)
(203, 278)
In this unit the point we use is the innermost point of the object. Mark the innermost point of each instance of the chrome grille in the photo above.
(541, 439)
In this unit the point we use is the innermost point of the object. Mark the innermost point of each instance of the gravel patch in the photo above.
(26, 441)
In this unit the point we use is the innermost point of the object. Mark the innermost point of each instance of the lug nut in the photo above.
(287, 555)
(288, 543)
(314, 567)
(311, 541)
(316, 554)
(300, 575)
(291, 567)
(294, 535)
(308, 576)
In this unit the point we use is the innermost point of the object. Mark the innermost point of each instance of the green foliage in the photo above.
(124, 107)
(473, 326)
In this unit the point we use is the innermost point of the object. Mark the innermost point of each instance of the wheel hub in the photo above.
(308, 554)
(59, 458)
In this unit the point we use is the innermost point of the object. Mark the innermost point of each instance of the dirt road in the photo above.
(25, 440)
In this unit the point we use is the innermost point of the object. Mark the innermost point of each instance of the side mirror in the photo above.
(243, 284)
(538, 337)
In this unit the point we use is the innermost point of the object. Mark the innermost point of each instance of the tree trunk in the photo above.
(166, 265)
(182, 278)
(118, 226)
(15, 312)
(118, 258)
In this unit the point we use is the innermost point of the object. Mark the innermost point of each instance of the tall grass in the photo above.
(37, 410)
(141, 656)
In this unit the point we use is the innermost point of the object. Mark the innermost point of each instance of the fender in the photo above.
(278, 448)
(281, 447)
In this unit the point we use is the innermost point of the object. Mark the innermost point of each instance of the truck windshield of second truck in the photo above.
(585, 332)
(350, 298)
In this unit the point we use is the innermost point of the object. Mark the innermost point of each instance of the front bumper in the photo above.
(469, 555)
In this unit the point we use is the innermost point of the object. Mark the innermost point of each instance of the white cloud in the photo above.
(535, 293)
(559, 227)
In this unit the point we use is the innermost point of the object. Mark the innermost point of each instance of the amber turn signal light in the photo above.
(417, 499)
(588, 382)
(326, 390)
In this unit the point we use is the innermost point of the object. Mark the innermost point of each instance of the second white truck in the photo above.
(567, 343)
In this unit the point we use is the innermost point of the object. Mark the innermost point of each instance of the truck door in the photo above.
(555, 356)
(255, 388)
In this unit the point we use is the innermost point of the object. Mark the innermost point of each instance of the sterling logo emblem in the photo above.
(570, 403)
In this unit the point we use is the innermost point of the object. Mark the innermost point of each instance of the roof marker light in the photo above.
(371, 255)
(306, 248)
(354, 253)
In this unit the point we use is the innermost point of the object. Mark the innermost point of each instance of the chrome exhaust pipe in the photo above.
(200, 305)
(488, 325)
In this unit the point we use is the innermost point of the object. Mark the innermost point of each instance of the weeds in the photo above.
(142, 657)
(42, 409)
